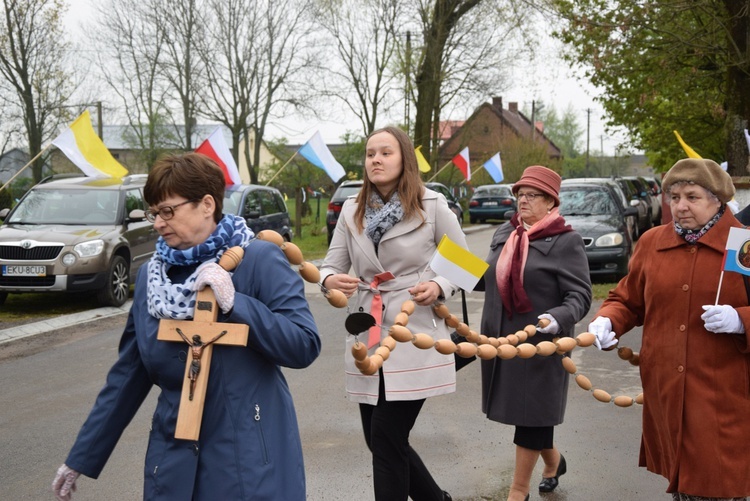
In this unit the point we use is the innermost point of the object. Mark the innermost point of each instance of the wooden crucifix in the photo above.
(201, 334)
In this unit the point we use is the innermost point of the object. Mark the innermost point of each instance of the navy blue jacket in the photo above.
(249, 445)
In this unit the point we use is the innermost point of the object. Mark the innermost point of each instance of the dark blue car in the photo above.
(262, 207)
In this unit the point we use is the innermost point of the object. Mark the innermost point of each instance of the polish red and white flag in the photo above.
(215, 147)
(462, 162)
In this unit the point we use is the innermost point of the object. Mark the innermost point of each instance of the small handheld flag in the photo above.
(454, 263)
(462, 162)
(424, 165)
(215, 147)
(86, 150)
(688, 150)
(317, 153)
(495, 168)
(737, 253)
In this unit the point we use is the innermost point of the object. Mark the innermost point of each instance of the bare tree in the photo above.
(133, 69)
(365, 34)
(32, 69)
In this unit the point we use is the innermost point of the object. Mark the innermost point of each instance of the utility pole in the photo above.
(588, 135)
(533, 122)
(407, 84)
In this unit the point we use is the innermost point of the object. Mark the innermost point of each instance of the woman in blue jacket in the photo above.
(249, 445)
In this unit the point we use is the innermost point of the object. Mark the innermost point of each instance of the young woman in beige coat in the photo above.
(386, 237)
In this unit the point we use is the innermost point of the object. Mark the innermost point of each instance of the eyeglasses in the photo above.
(166, 212)
(529, 196)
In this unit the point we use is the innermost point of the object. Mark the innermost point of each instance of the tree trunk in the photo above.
(738, 95)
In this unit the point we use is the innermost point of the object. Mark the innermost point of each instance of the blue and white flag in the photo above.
(737, 253)
(495, 168)
(317, 153)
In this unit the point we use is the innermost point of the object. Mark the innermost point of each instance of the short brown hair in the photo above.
(190, 175)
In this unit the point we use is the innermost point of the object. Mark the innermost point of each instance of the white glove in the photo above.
(64, 484)
(601, 327)
(220, 281)
(552, 328)
(722, 318)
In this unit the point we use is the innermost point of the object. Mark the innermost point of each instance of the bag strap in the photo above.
(466, 313)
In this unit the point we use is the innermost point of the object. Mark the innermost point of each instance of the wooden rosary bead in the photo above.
(602, 396)
(359, 351)
(583, 382)
(624, 353)
(486, 351)
(526, 350)
(639, 399)
(502, 340)
(566, 344)
(569, 365)
(292, 252)
(585, 339)
(546, 348)
(623, 401)
(401, 319)
(482, 339)
(512, 339)
(445, 346)
(522, 336)
(408, 307)
(336, 298)
(383, 352)
(452, 321)
(231, 258)
(442, 311)
(376, 362)
(635, 359)
(271, 236)
(507, 351)
(466, 350)
(400, 333)
(530, 329)
(363, 365)
(423, 341)
(493, 341)
(472, 336)
(388, 342)
(462, 329)
(310, 272)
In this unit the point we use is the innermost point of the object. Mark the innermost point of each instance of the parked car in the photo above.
(638, 199)
(344, 191)
(595, 209)
(75, 234)
(646, 193)
(453, 202)
(491, 201)
(655, 192)
(262, 207)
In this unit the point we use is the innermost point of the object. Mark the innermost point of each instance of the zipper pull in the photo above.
(257, 412)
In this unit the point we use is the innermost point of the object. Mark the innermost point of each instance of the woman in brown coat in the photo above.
(538, 269)
(694, 359)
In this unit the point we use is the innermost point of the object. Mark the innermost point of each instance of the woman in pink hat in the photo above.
(538, 269)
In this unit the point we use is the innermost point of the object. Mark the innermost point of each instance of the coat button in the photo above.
(680, 368)
(361, 309)
(194, 448)
(685, 287)
(682, 328)
(692, 250)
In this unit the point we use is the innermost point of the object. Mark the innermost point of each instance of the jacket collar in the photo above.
(715, 238)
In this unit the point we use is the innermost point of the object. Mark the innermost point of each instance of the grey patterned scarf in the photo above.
(380, 217)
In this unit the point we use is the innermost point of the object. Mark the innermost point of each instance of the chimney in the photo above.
(497, 102)
(539, 126)
(513, 107)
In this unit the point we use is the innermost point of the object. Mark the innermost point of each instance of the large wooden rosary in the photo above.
(484, 347)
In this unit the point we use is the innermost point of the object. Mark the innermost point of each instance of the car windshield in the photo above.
(492, 191)
(79, 206)
(232, 201)
(586, 201)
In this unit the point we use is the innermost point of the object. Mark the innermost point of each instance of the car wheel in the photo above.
(117, 290)
(472, 220)
(3, 297)
(649, 220)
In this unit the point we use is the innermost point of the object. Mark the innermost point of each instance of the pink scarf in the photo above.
(512, 261)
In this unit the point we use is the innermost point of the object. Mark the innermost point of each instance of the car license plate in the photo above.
(24, 271)
(490, 204)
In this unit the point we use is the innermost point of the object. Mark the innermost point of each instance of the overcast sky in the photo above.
(554, 84)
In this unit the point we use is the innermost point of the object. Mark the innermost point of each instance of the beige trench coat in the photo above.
(696, 383)
(405, 250)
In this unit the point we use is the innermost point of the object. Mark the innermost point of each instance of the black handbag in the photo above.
(462, 362)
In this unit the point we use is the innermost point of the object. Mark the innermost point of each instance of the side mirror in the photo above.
(4, 214)
(630, 211)
(634, 202)
(137, 215)
(253, 214)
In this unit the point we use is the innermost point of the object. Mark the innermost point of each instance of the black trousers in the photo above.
(398, 471)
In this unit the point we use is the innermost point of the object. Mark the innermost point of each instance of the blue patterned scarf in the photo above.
(177, 301)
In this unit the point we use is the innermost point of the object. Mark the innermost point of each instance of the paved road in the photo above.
(49, 382)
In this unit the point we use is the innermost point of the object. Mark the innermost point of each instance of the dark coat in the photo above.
(696, 383)
(533, 391)
(249, 445)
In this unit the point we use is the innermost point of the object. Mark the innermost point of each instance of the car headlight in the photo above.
(89, 249)
(69, 259)
(609, 240)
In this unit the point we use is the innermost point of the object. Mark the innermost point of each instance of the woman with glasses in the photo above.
(538, 270)
(249, 445)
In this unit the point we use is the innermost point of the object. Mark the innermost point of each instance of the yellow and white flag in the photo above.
(424, 165)
(86, 150)
(454, 263)
(688, 150)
